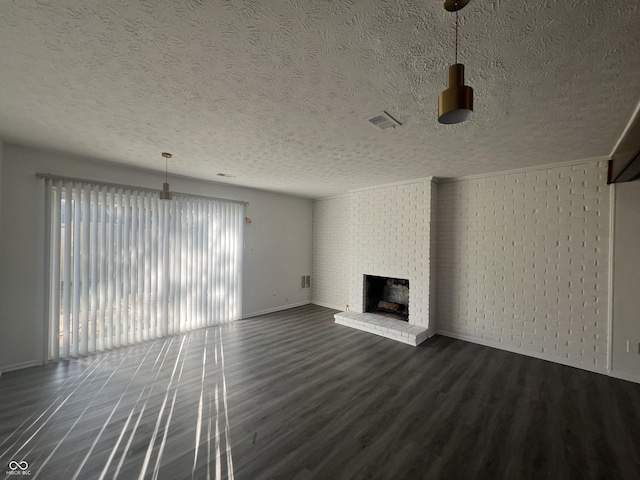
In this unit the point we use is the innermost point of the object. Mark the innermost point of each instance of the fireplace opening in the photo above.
(387, 296)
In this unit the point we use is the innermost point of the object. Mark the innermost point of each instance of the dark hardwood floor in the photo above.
(291, 395)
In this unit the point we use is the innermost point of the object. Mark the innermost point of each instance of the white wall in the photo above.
(331, 252)
(523, 263)
(626, 281)
(1, 161)
(277, 243)
(390, 237)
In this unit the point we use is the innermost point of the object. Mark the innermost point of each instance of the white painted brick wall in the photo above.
(390, 237)
(330, 285)
(522, 262)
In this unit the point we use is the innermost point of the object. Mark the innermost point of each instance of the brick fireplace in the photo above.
(390, 236)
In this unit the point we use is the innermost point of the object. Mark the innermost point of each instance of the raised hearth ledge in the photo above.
(383, 326)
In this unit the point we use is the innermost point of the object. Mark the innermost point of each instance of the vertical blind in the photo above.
(125, 266)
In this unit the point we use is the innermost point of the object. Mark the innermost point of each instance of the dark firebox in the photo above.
(389, 296)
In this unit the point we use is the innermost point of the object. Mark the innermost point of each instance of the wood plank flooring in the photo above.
(291, 395)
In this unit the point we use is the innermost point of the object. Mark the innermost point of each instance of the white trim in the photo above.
(275, 309)
(394, 184)
(540, 356)
(46, 308)
(18, 366)
(328, 305)
(635, 113)
(241, 259)
(435, 179)
(625, 376)
(332, 197)
(547, 166)
(612, 224)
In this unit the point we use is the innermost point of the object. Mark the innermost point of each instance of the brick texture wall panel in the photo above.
(330, 286)
(527, 254)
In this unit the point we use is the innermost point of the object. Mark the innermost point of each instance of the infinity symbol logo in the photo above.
(23, 465)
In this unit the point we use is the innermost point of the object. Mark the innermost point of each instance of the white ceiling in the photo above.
(275, 92)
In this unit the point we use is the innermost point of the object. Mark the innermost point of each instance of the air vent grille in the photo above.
(382, 121)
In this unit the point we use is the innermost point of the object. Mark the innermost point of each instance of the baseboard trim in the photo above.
(629, 377)
(18, 366)
(540, 356)
(328, 305)
(275, 309)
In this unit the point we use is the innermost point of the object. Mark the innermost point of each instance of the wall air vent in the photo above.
(383, 121)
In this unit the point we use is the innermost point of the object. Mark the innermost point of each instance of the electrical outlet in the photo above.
(633, 347)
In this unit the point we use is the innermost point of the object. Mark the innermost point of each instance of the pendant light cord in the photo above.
(456, 35)
(166, 170)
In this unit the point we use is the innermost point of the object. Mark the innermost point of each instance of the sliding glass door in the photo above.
(126, 266)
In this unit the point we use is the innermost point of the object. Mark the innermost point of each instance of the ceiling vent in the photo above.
(382, 121)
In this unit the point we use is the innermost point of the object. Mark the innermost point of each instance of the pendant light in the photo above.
(166, 194)
(455, 104)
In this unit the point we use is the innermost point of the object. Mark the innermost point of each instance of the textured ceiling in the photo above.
(275, 92)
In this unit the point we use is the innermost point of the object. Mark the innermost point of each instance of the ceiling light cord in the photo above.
(456, 35)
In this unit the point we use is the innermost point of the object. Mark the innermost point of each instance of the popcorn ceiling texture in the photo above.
(275, 92)
(522, 263)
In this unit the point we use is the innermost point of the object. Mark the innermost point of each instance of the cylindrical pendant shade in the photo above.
(166, 194)
(455, 104)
